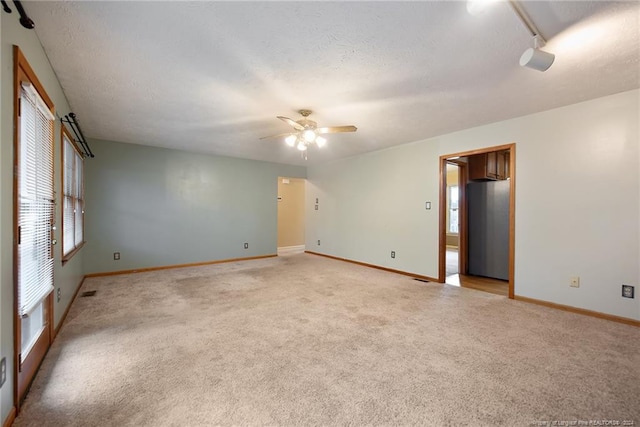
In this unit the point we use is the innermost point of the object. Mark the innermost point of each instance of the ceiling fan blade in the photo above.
(277, 136)
(336, 129)
(291, 122)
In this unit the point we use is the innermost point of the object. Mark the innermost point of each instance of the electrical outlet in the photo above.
(246, 245)
(58, 294)
(316, 207)
(393, 254)
(116, 256)
(628, 291)
(574, 282)
(318, 242)
(3, 371)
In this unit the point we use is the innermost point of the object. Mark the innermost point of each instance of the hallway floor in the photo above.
(486, 284)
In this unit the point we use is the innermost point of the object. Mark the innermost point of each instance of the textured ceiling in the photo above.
(211, 77)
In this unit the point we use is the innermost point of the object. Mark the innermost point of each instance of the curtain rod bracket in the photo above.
(73, 124)
(24, 19)
(6, 7)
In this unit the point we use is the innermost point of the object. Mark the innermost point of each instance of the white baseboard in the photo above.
(288, 250)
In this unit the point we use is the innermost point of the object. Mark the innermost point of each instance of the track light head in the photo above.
(537, 59)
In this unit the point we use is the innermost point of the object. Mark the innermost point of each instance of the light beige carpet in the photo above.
(305, 340)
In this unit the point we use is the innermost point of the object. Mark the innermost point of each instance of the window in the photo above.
(35, 199)
(453, 209)
(73, 197)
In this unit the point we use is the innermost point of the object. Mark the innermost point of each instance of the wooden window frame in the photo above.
(64, 132)
(25, 370)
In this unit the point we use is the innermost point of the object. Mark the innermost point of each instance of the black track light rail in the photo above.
(71, 120)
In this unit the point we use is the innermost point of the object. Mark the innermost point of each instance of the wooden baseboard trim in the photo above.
(284, 250)
(169, 267)
(10, 418)
(577, 310)
(66, 311)
(390, 270)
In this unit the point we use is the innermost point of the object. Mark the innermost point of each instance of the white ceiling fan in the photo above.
(306, 132)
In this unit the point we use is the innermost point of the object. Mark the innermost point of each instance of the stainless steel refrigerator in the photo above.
(488, 228)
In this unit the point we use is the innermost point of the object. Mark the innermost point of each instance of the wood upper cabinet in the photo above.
(493, 165)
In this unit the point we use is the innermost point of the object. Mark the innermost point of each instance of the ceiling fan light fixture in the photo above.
(306, 132)
(320, 141)
(291, 140)
(309, 135)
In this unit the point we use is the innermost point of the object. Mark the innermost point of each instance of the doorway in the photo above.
(486, 264)
(453, 219)
(291, 215)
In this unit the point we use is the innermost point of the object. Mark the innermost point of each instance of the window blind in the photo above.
(73, 204)
(35, 198)
(79, 210)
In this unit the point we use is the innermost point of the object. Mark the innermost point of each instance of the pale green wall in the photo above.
(67, 278)
(577, 204)
(162, 207)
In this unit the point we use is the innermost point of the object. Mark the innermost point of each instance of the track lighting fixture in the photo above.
(534, 58)
(476, 7)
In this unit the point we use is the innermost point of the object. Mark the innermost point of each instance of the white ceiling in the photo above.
(211, 77)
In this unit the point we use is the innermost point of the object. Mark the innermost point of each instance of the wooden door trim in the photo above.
(463, 173)
(462, 216)
(443, 209)
(22, 71)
